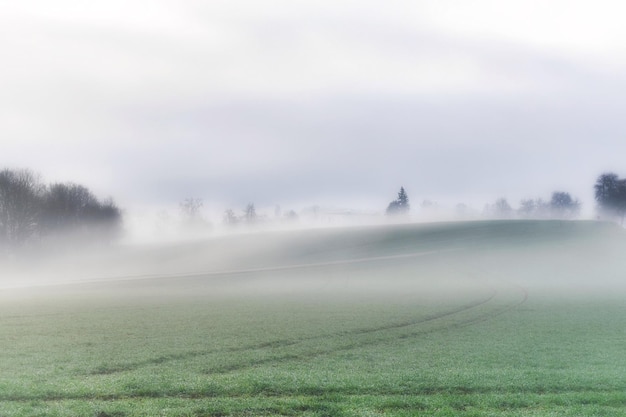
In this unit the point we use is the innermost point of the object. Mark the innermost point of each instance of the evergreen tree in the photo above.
(403, 200)
(399, 206)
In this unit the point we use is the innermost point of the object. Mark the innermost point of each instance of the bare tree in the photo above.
(500, 209)
(250, 213)
(30, 211)
(527, 208)
(67, 206)
(21, 192)
(71, 209)
(534, 209)
(106, 220)
(230, 218)
(190, 209)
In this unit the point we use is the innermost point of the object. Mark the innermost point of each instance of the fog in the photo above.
(316, 113)
(415, 263)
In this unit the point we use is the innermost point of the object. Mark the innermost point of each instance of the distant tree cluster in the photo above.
(31, 211)
(501, 208)
(560, 206)
(191, 215)
(610, 194)
(249, 216)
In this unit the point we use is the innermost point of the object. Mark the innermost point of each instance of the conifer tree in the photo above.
(399, 206)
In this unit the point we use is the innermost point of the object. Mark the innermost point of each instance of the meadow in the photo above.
(499, 318)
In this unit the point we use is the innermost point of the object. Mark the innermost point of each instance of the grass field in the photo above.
(509, 318)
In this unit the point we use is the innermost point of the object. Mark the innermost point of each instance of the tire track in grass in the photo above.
(123, 367)
(282, 343)
(268, 392)
(365, 343)
(505, 309)
(117, 368)
(513, 306)
(351, 345)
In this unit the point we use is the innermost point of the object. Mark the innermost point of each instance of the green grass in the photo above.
(520, 319)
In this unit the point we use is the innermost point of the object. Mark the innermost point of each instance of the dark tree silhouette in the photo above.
(20, 206)
(562, 205)
(399, 206)
(30, 212)
(72, 209)
(109, 220)
(66, 206)
(610, 194)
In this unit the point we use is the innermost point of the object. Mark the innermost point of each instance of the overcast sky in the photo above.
(315, 102)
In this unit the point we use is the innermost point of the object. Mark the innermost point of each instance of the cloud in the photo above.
(166, 50)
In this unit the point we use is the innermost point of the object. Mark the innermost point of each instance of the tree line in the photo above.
(561, 205)
(32, 212)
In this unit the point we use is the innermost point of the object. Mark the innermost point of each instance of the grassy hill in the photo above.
(514, 318)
